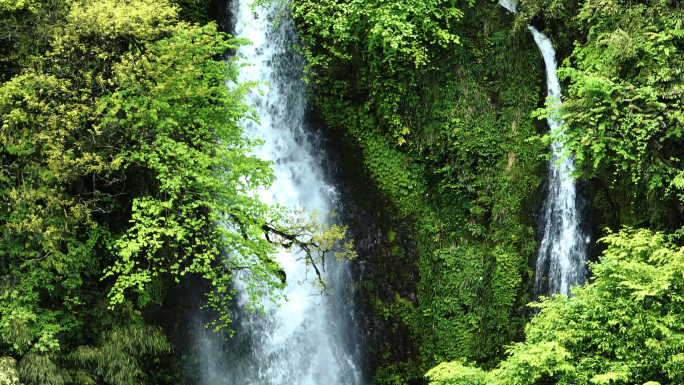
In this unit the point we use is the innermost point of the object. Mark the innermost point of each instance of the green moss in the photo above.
(398, 251)
(465, 169)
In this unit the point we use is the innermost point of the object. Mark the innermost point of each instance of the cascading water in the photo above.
(563, 248)
(309, 339)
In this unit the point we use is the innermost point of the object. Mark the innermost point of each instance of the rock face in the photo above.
(386, 266)
(219, 11)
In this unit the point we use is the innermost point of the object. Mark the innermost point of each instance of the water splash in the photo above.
(563, 248)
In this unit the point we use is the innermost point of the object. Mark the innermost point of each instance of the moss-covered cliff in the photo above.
(450, 143)
(443, 99)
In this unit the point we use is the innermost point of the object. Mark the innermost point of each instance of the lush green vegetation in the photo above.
(122, 168)
(441, 97)
(121, 152)
(624, 327)
(444, 124)
(624, 109)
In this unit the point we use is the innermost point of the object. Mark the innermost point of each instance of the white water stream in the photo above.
(309, 339)
(563, 248)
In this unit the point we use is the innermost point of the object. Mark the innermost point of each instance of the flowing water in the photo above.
(563, 248)
(309, 339)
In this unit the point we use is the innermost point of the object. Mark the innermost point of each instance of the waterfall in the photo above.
(309, 339)
(563, 247)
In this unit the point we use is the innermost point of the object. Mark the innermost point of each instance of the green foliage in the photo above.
(392, 39)
(122, 168)
(623, 107)
(194, 11)
(456, 373)
(386, 32)
(62, 185)
(444, 128)
(8, 371)
(560, 19)
(313, 239)
(624, 327)
(38, 369)
(14, 5)
(112, 360)
(25, 34)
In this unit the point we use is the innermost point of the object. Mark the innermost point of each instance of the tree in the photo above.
(625, 327)
(123, 165)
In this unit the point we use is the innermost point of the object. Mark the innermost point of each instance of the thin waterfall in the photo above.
(309, 339)
(563, 248)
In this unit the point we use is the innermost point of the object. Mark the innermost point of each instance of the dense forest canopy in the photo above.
(124, 166)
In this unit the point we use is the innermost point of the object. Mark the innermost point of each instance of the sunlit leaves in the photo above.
(8, 371)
